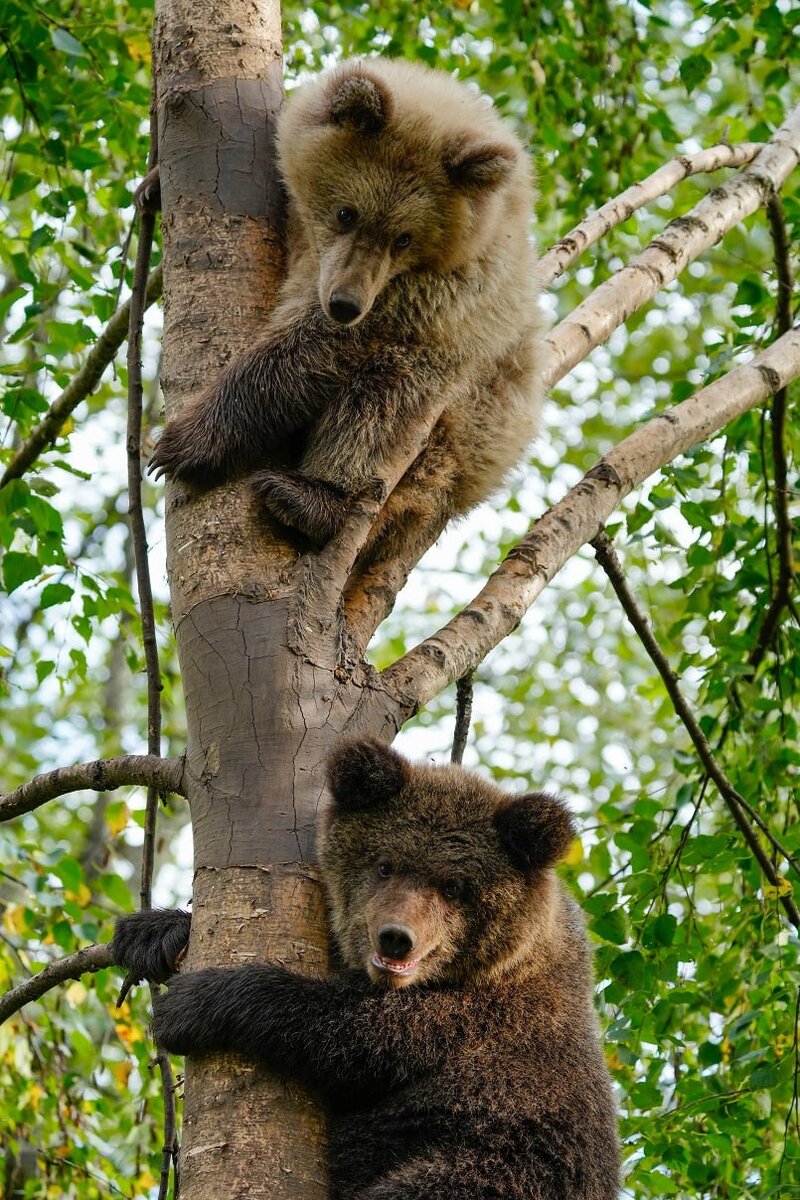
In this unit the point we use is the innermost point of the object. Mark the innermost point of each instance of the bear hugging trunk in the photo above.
(411, 280)
(456, 1051)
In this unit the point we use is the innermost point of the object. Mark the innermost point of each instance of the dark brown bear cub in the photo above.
(457, 1051)
(410, 278)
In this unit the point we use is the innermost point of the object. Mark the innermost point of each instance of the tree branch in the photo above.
(681, 241)
(510, 591)
(91, 958)
(781, 596)
(87, 378)
(463, 717)
(101, 775)
(139, 535)
(609, 561)
(560, 256)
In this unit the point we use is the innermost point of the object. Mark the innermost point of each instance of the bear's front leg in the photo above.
(314, 507)
(266, 395)
(150, 944)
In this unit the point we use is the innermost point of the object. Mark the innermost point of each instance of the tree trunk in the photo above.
(266, 695)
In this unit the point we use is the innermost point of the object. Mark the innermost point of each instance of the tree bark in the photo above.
(266, 691)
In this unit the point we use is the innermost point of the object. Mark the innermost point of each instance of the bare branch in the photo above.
(139, 535)
(91, 958)
(560, 256)
(87, 378)
(682, 241)
(782, 594)
(101, 775)
(463, 717)
(508, 594)
(735, 803)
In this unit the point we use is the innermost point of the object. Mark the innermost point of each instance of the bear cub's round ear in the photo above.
(478, 166)
(535, 829)
(358, 100)
(363, 772)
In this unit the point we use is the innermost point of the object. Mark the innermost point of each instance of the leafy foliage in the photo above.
(696, 964)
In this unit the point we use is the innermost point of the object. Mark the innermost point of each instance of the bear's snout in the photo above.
(344, 307)
(395, 941)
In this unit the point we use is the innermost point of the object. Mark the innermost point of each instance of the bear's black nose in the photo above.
(344, 307)
(395, 941)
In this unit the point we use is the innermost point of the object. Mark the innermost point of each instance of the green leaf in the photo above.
(64, 41)
(55, 593)
(18, 568)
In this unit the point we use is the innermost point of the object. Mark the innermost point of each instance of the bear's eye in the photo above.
(403, 241)
(346, 216)
(452, 889)
(384, 868)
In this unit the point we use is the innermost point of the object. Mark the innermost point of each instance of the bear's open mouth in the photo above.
(395, 966)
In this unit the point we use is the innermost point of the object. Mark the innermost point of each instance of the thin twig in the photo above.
(87, 378)
(139, 535)
(101, 775)
(607, 557)
(781, 596)
(91, 958)
(463, 716)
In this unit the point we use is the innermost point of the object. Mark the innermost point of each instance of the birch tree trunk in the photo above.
(260, 714)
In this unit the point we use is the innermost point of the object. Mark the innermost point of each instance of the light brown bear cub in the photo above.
(457, 1050)
(410, 277)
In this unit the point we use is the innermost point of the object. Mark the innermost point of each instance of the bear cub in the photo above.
(410, 277)
(456, 1050)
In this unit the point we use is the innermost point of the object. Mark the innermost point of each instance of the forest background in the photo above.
(696, 958)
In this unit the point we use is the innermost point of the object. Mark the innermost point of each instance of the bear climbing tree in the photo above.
(272, 659)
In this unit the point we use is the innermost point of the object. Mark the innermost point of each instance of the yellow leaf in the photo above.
(76, 993)
(81, 897)
(613, 1061)
(128, 1034)
(774, 892)
(575, 853)
(121, 1072)
(14, 918)
(146, 1181)
(118, 821)
(138, 47)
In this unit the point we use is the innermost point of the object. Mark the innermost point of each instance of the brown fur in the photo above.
(415, 156)
(462, 1065)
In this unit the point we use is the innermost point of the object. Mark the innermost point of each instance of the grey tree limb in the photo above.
(85, 381)
(101, 775)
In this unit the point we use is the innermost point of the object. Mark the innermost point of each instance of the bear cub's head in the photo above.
(391, 169)
(432, 873)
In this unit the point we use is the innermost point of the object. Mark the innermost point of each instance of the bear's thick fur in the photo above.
(410, 276)
(457, 1050)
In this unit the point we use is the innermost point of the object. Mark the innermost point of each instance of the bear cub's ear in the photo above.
(536, 830)
(478, 166)
(363, 772)
(360, 101)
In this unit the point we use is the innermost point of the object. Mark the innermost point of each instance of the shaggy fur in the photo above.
(457, 1050)
(410, 275)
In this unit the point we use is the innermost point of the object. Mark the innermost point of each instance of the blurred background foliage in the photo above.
(696, 965)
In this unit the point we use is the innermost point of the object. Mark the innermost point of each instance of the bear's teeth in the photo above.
(396, 966)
